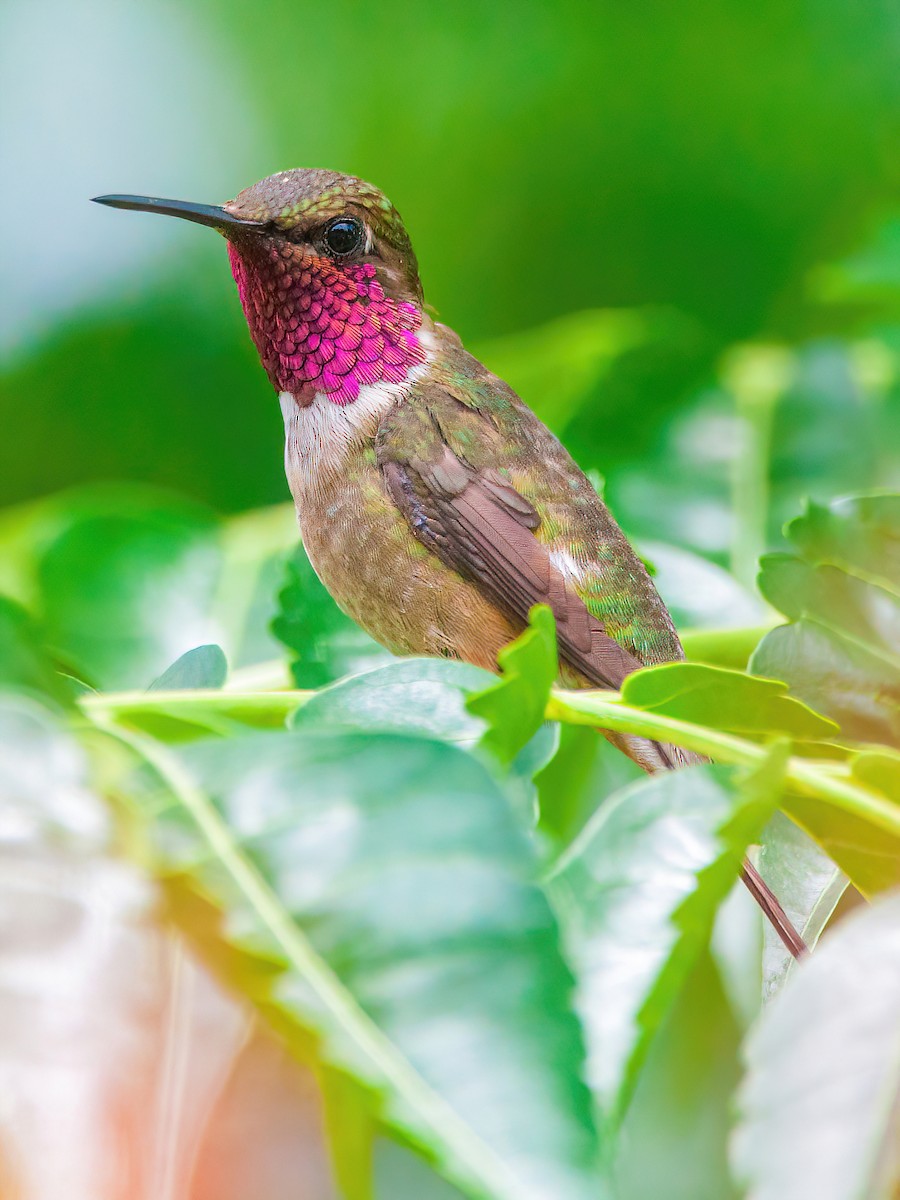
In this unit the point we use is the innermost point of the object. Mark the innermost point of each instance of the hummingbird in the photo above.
(433, 504)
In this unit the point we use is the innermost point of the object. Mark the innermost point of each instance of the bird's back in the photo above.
(486, 424)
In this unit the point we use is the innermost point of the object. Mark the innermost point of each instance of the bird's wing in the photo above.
(465, 509)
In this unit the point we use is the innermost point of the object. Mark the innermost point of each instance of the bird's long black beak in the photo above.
(202, 214)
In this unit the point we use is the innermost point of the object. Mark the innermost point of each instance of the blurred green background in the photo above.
(714, 173)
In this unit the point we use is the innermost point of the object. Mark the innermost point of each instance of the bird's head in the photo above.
(327, 277)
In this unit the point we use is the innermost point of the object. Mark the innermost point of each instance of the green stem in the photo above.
(607, 711)
(756, 376)
(600, 709)
(282, 703)
(271, 676)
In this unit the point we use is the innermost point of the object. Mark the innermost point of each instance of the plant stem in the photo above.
(606, 710)
(213, 701)
(274, 675)
(756, 376)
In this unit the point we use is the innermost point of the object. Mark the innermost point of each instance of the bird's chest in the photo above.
(329, 460)
(354, 536)
(364, 551)
(323, 440)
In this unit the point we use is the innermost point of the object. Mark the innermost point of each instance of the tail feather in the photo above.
(769, 903)
(652, 756)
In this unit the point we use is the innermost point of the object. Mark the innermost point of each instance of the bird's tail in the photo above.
(655, 756)
(772, 910)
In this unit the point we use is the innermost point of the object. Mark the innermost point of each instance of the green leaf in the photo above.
(722, 647)
(519, 778)
(428, 696)
(584, 771)
(879, 770)
(185, 715)
(400, 1175)
(202, 667)
(859, 533)
(419, 695)
(736, 947)
(121, 578)
(637, 894)
(124, 593)
(867, 852)
(854, 824)
(857, 689)
(255, 548)
(350, 1131)
(807, 883)
(869, 275)
(24, 666)
(842, 593)
(326, 643)
(378, 891)
(514, 706)
(723, 699)
(672, 1144)
(820, 1100)
(829, 596)
(126, 578)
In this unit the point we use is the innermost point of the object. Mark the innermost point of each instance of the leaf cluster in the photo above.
(409, 874)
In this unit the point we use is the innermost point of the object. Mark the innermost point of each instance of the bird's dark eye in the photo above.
(343, 236)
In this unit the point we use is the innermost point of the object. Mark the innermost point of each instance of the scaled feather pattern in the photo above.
(322, 326)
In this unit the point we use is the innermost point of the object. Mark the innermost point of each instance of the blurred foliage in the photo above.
(462, 946)
(387, 888)
(699, 177)
(842, 595)
(855, 986)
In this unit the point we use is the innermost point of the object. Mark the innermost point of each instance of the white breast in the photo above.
(319, 436)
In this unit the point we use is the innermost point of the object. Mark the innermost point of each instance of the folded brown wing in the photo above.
(479, 525)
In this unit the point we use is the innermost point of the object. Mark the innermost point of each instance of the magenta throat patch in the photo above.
(324, 326)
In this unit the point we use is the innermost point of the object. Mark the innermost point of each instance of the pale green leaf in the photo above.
(379, 892)
(808, 885)
(637, 894)
(514, 706)
(820, 1103)
(723, 699)
(842, 593)
(420, 695)
(202, 667)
